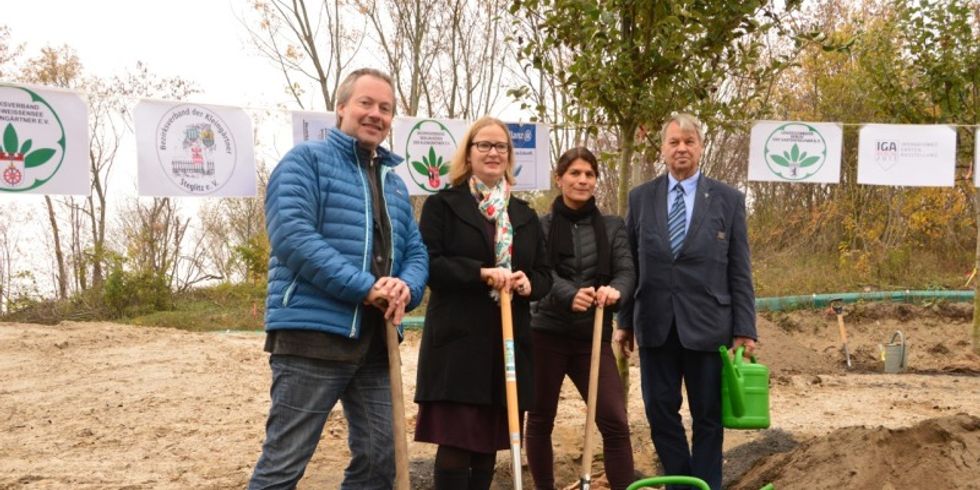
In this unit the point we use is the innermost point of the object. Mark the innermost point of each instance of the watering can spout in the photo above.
(736, 383)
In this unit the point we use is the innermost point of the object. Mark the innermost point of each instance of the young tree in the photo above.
(633, 63)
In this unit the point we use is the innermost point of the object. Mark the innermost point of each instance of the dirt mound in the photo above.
(935, 453)
(937, 337)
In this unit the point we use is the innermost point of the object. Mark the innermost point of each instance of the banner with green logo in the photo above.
(793, 151)
(428, 146)
(43, 141)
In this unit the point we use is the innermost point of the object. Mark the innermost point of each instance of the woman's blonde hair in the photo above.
(460, 169)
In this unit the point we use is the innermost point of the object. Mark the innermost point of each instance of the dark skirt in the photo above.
(477, 428)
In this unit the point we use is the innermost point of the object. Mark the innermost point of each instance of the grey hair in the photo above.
(686, 122)
(346, 88)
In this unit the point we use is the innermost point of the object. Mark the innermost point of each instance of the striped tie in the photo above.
(676, 221)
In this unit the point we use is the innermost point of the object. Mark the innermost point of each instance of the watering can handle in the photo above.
(672, 480)
(729, 370)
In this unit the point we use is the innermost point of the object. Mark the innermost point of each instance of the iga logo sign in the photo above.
(195, 149)
(886, 153)
(32, 148)
(428, 150)
(795, 151)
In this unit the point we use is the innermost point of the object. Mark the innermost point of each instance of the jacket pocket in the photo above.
(722, 299)
(289, 292)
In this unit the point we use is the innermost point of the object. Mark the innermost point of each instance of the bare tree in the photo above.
(234, 237)
(154, 235)
(469, 72)
(410, 42)
(311, 44)
(8, 53)
(59, 67)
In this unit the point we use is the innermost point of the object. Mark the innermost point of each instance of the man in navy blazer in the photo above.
(694, 293)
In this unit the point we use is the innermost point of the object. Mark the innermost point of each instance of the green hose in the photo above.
(815, 301)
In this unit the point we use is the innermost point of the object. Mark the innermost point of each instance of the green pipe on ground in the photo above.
(816, 301)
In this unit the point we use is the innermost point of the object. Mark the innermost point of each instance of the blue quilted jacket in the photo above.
(319, 217)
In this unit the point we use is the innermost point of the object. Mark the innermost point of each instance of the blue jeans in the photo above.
(303, 393)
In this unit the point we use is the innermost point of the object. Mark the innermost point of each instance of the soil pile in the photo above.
(936, 453)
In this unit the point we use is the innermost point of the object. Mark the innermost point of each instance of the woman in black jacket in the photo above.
(592, 265)
(481, 241)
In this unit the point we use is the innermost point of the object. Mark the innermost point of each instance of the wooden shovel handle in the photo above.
(510, 377)
(399, 434)
(593, 394)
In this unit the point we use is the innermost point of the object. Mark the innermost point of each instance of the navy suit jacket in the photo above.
(707, 290)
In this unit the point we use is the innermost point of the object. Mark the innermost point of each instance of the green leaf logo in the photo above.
(13, 152)
(32, 150)
(795, 151)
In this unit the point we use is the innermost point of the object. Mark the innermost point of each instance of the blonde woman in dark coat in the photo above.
(481, 241)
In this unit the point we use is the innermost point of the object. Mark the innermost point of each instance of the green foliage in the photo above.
(907, 62)
(634, 63)
(221, 307)
(254, 253)
(129, 293)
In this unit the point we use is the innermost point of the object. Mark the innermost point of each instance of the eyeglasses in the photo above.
(484, 146)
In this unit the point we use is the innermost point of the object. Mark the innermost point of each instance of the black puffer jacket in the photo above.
(553, 313)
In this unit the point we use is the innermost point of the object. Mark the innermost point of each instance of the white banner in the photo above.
(308, 125)
(428, 146)
(976, 158)
(532, 158)
(43, 141)
(791, 151)
(907, 155)
(194, 150)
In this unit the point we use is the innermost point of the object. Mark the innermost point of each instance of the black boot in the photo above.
(452, 479)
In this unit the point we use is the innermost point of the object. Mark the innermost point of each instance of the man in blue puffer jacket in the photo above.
(346, 256)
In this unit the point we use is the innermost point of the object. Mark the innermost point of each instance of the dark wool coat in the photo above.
(461, 356)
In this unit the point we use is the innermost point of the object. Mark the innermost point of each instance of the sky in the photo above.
(199, 40)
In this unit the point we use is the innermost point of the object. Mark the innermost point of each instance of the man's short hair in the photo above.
(686, 122)
(346, 88)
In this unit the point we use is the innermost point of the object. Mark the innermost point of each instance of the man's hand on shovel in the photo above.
(390, 295)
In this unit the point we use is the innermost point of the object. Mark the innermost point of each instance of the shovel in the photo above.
(510, 376)
(585, 481)
(397, 407)
(838, 306)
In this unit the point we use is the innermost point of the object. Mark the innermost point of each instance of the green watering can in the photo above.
(744, 392)
(691, 481)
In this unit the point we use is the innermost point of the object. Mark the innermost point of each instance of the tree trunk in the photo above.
(59, 255)
(628, 137)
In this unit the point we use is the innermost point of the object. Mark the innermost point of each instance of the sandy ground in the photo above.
(101, 405)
